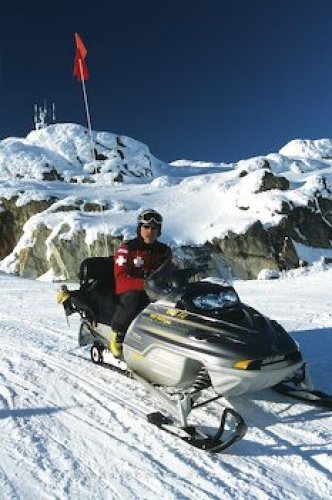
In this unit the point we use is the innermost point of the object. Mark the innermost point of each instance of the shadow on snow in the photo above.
(28, 412)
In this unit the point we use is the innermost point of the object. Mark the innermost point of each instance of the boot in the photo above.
(115, 345)
(63, 297)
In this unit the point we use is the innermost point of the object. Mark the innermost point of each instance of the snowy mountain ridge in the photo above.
(67, 148)
(258, 211)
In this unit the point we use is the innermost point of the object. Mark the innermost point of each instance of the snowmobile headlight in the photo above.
(243, 365)
(211, 301)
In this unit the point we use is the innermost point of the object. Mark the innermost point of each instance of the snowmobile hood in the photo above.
(239, 333)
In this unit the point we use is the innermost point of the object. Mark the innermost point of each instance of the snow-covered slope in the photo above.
(71, 429)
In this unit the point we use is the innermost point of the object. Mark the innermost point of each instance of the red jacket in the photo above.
(135, 261)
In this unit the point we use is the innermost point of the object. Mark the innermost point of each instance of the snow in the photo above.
(200, 200)
(72, 429)
(319, 148)
(311, 255)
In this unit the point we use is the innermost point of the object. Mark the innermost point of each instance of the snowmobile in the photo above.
(194, 336)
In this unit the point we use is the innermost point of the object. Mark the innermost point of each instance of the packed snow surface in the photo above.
(71, 429)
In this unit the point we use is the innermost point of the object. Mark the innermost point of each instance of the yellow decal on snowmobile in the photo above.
(137, 356)
(161, 318)
(176, 313)
(171, 312)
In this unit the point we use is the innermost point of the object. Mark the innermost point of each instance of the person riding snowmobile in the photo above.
(134, 261)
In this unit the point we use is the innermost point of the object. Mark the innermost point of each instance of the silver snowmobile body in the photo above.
(197, 334)
(169, 347)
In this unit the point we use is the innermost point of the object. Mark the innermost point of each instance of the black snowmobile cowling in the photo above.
(195, 334)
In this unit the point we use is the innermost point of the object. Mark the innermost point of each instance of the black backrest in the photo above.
(97, 269)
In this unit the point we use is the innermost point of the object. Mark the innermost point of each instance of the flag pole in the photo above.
(91, 141)
(87, 109)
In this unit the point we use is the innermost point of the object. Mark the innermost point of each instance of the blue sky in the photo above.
(216, 80)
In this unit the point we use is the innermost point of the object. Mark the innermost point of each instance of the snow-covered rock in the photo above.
(66, 152)
(308, 148)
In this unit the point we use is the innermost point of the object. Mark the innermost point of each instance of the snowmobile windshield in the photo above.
(188, 265)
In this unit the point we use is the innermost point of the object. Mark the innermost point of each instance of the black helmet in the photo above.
(150, 216)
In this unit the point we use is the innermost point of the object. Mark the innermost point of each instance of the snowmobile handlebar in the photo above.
(167, 280)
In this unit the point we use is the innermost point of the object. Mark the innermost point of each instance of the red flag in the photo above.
(80, 68)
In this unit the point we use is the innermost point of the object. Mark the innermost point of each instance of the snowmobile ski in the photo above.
(314, 397)
(194, 437)
(180, 406)
(300, 386)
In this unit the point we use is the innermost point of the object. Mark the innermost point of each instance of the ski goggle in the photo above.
(150, 218)
(148, 226)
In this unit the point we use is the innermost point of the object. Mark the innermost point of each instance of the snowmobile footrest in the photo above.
(317, 398)
(198, 439)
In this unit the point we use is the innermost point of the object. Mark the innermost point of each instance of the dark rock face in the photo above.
(7, 233)
(67, 254)
(273, 248)
(311, 226)
(270, 181)
(13, 218)
(248, 253)
(32, 261)
(52, 175)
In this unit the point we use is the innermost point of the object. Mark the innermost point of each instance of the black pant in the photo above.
(130, 305)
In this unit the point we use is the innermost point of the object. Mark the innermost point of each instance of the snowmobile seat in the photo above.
(97, 269)
(96, 295)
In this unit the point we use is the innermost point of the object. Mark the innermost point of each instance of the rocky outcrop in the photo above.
(66, 255)
(273, 248)
(36, 250)
(309, 226)
(270, 181)
(63, 153)
(60, 254)
(249, 253)
(31, 261)
(13, 218)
